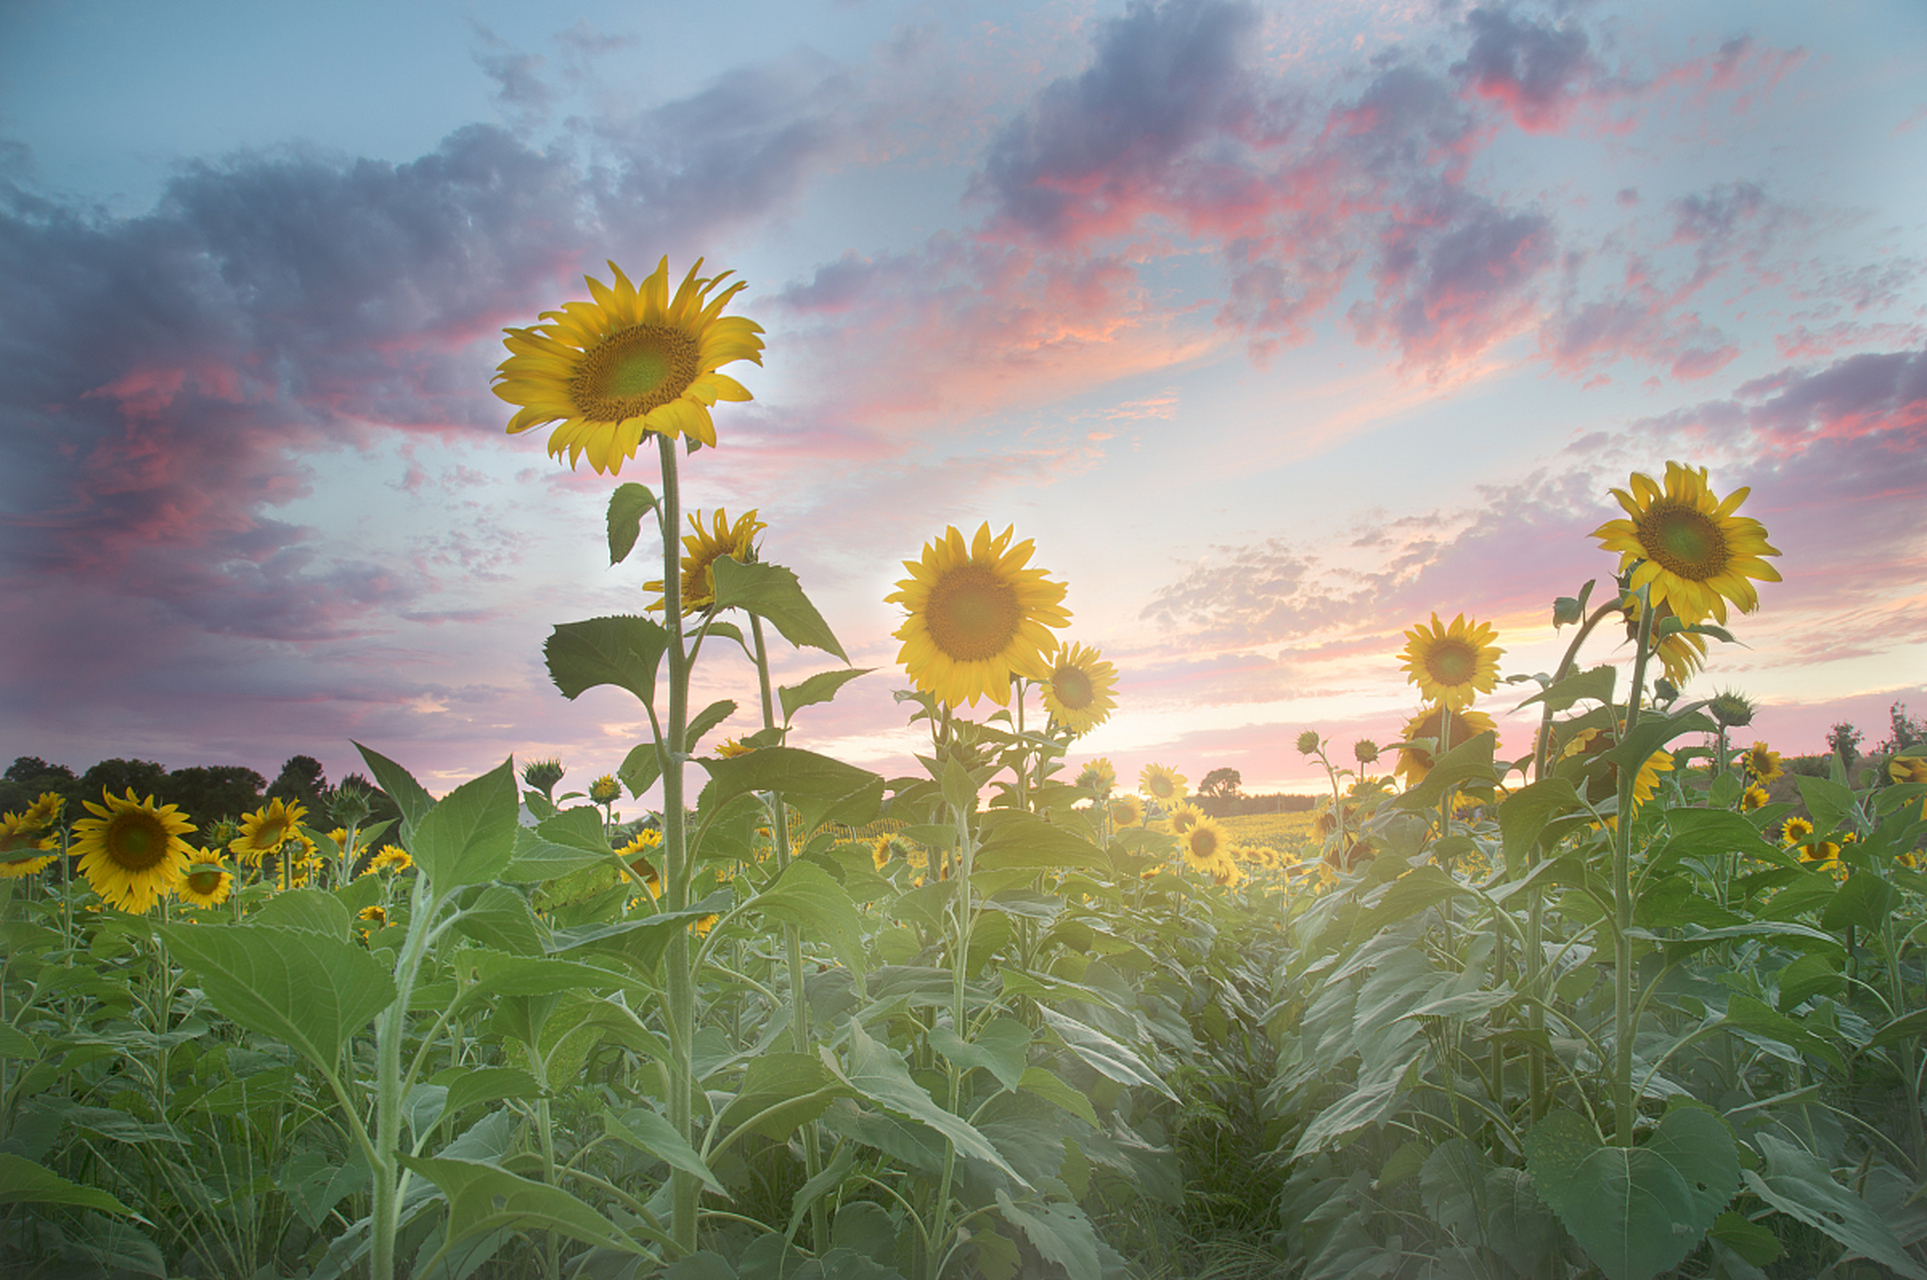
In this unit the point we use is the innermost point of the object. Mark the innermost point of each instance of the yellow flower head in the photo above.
(17, 835)
(1680, 654)
(1795, 830)
(392, 857)
(1761, 764)
(1206, 845)
(44, 812)
(1452, 664)
(1593, 742)
(1687, 545)
(1754, 798)
(1097, 777)
(891, 847)
(633, 362)
(1162, 784)
(1910, 769)
(978, 617)
(730, 748)
(266, 829)
(205, 884)
(1079, 692)
(605, 790)
(132, 852)
(635, 853)
(375, 915)
(702, 550)
(1185, 816)
(1415, 762)
(1126, 811)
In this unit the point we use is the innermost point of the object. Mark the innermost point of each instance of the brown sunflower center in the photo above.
(1452, 662)
(204, 882)
(1204, 843)
(973, 614)
(1073, 687)
(1683, 540)
(629, 373)
(136, 842)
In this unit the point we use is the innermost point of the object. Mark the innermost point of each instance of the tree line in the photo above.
(206, 794)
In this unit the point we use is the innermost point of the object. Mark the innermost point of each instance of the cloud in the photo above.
(1535, 72)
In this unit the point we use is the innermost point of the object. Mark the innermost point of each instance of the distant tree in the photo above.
(302, 778)
(1903, 730)
(28, 777)
(209, 793)
(1221, 784)
(146, 777)
(1844, 741)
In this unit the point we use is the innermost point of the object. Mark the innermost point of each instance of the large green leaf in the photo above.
(1831, 804)
(1802, 1187)
(1058, 1231)
(1864, 901)
(1595, 685)
(798, 774)
(648, 1132)
(627, 506)
(308, 991)
(1102, 1054)
(806, 896)
(24, 1182)
(569, 841)
(400, 785)
(469, 836)
(623, 651)
(878, 1074)
(1523, 816)
(501, 918)
(485, 1197)
(1013, 839)
(1002, 1048)
(1636, 1211)
(820, 687)
(1469, 763)
(315, 910)
(779, 1092)
(770, 591)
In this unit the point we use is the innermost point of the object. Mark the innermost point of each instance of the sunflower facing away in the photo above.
(1680, 654)
(265, 830)
(702, 549)
(1079, 692)
(1416, 762)
(131, 852)
(1163, 784)
(1688, 545)
(633, 362)
(978, 617)
(1452, 664)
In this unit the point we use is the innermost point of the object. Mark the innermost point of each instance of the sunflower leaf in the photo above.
(622, 651)
(409, 795)
(469, 837)
(24, 1182)
(771, 591)
(820, 687)
(627, 506)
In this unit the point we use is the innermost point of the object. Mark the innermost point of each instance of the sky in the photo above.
(1276, 327)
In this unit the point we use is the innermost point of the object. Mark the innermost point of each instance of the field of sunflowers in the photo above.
(1610, 1009)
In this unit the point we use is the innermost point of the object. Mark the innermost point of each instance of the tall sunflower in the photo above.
(1594, 742)
(131, 852)
(1452, 664)
(1078, 692)
(702, 550)
(1688, 545)
(633, 362)
(1162, 783)
(1416, 762)
(266, 829)
(977, 617)
(1098, 777)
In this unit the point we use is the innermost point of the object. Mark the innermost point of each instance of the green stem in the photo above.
(1624, 1111)
(390, 1029)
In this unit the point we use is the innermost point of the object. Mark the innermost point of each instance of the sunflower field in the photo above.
(1608, 1009)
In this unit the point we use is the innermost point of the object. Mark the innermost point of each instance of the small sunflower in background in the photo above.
(390, 858)
(1415, 762)
(701, 551)
(20, 834)
(892, 847)
(1795, 830)
(131, 852)
(1594, 742)
(1161, 783)
(605, 790)
(730, 748)
(1753, 798)
(1904, 769)
(1454, 664)
(978, 617)
(205, 883)
(1762, 764)
(1097, 777)
(633, 362)
(1184, 816)
(1126, 811)
(1079, 692)
(266, 829)
(1206, 845)
(1685, 544)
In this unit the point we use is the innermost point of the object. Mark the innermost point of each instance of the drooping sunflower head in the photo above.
(1079, 692)
(1451, 664)
(266, 829)
(1589, 743)
(1908, 768)
(1097, 777)
(1415, 762)
(1732, 708)
(1126, 811)
(978, 617)
(1162, 783)
(635, 361)
(131, 852)
(1687, 545)
(636, 854)
(1206, 844)
(701, 550)
(1680, 653)
(1762, 764)
(205, 883)
(891, 847)
(44, 812)
(1754, 798)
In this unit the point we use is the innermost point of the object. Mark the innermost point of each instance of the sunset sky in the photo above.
(1277, 327)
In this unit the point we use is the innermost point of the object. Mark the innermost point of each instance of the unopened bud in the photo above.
(1308, 742)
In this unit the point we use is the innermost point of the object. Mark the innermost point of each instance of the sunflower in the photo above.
(977, 617)
(1126, 811)
(703, 549)
(1184, 816)
(1795, 830)
(730, 748)
(131, 852)
(1416, 762)
(1593, 742)
(1078, 691)
(1162, 784)
(1097, 777)
(635, 855)
(1225, 871)
(605, 790)
(1451, 664)
(205, 883)
(631, 363)
(1762, 764)
(1205, 844)
(18, 834)
(392, 857)
(891, 847)
(1754, 798)
(265, 830)
(45, 811)
(1910, 769)
(1688, 545)
(1680, 654)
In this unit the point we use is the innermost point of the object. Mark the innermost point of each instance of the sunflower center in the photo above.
(1453, 662)
(136, 842)
(629, 373)
(1685, 541)
(973, 614)
(204, 882)
(1204, 844)
(1073, 687)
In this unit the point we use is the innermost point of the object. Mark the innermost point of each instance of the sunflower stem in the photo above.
(1624, 1112)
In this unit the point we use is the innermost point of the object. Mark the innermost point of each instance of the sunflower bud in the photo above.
(1308, 743)
(1664, 690)
(1732, 709)
(543, 775)
(1366, 751)
(1566, 610)
(351, 804)
(605, 790)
